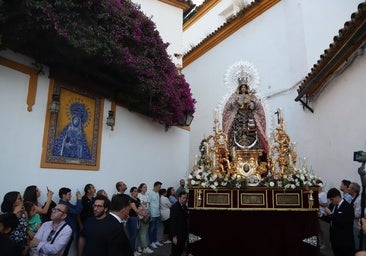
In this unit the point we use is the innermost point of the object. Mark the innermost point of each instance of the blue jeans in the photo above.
(153, 229)
(132, 231)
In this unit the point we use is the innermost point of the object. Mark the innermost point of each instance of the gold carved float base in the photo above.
(256, 198)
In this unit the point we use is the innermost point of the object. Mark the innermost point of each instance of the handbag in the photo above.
(147, 217)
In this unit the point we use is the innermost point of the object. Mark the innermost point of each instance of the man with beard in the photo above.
(110, 237)
(87, 234)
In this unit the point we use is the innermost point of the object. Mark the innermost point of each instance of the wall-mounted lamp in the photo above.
(55, 104)
(187, 120)
(110, 119)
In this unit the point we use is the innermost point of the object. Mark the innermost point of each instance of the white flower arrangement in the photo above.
(298, 178)
(208, 179)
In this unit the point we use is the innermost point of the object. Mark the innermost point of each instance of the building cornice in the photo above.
(176, 3)
(201, 11)
(349, 39)
(33, 78)
(242, 18)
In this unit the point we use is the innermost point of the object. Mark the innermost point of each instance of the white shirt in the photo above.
(117, 217)
(144, 199)
(165, 205)
(357, 209)
(322, 200)
(45, 248)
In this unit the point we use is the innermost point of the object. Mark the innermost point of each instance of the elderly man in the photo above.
(182, 187)
(121, 187)
(354, 190)
(53, 236)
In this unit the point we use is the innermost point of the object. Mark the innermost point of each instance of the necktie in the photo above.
(335, 210)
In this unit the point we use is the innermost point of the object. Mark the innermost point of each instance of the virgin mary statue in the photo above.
(243, 119)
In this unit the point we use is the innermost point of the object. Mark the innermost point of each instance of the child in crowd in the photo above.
(34, 219)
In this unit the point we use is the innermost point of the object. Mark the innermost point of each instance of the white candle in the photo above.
(293, 145)
(195, 159)
(216, 114)
(280, 113)
(290, 159)
(214, 160)
(304, 163)
(234, 153)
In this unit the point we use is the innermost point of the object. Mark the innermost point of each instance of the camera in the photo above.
(359, 156)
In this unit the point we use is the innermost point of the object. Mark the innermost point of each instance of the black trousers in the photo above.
(343, 251)
(178, 249)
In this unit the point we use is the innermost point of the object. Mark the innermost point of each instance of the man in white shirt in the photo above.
(354, 191)
(154, 199)
(53, 236)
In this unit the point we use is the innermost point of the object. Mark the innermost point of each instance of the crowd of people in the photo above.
(342, 227)
(126, 224)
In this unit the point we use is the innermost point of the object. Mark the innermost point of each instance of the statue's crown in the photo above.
(242, 80)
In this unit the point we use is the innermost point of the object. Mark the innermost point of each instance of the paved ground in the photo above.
(160, 251)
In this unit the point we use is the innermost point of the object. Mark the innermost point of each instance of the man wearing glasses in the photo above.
(87, 234)
(53, 235)
(110, 238)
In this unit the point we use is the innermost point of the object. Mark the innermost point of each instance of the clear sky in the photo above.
(197, 2)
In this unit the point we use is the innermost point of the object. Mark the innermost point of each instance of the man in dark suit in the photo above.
(340, 214)
(110, 238)
(179, 224)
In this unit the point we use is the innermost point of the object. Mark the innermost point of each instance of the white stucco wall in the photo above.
(168, 20)
(337, 128)
(138, 150)
(283, 43)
